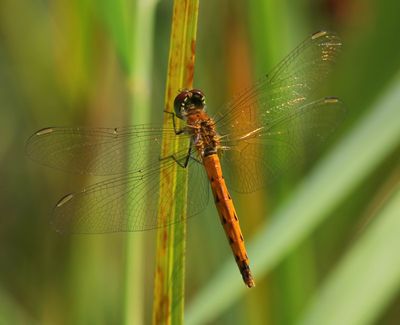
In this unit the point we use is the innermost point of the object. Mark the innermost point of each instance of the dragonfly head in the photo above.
(188, 101)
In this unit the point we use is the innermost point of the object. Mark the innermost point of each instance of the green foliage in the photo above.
(325, 251)
(360, 296)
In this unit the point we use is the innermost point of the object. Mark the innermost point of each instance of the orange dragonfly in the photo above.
(255, 138)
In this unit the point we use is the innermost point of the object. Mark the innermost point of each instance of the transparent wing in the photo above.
(132, 202)
(267, 128)
(289, 85)
(252, 162)
(99, 151)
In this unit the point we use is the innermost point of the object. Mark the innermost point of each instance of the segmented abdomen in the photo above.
(227, 214)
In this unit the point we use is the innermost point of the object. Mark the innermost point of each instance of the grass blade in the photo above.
(369, 275)
(117, 16)
(169, 276)
(11, 312)
(141, 58)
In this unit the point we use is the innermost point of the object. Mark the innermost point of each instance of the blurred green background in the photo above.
(103, 63)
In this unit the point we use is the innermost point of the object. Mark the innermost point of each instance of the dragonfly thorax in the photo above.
(204, 134)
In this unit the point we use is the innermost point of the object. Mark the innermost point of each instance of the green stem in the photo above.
(140, 83)
(368, 277)
(169, 275)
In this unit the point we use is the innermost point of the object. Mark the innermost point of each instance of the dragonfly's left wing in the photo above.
(101, 151)
(131, 200)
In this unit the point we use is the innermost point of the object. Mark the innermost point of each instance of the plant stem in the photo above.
(140, 85)
(169, 275)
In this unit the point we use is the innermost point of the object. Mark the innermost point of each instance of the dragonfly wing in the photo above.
(270, 127)
(258, 158)
(99, 151)
(290, 85)
(132, 202)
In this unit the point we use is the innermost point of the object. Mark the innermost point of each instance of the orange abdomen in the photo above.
(227, 214)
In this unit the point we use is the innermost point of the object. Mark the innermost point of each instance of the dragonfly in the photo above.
(278, 122)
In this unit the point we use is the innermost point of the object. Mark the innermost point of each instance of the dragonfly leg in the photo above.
(183, 164)
(188, 157)
(177, 131)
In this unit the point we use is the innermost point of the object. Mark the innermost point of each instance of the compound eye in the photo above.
(188, 100)
(198, 99)
(180, 102)
(198, 95)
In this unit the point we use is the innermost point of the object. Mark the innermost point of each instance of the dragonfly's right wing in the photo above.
(290, 85)
(280, 122)
(253, 161)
